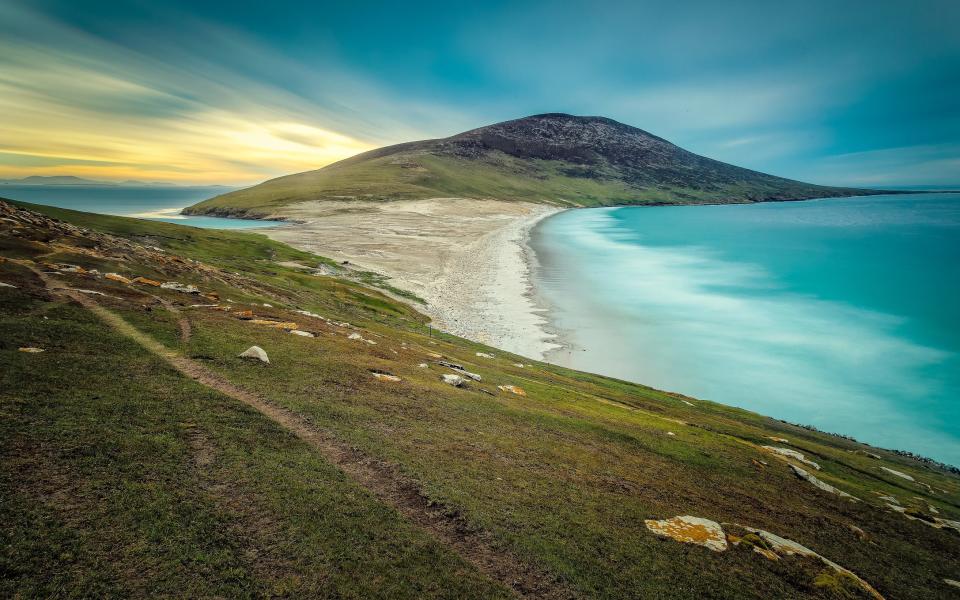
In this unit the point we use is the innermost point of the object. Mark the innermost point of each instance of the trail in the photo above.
(380, 479)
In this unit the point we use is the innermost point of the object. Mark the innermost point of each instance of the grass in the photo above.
(153, 484)
(417, 175)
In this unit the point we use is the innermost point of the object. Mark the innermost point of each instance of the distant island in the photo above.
(73, 180)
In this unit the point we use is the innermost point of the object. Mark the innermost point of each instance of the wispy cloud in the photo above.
(74, 102)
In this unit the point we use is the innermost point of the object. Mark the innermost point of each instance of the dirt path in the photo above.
(379, 478)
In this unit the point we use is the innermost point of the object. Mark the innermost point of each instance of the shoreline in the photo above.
(469, 260)
(487, 293)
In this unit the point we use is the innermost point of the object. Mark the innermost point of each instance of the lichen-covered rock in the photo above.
(146, 281)
(275, 324)
(691, 530)
(784, 547)
(791, 453)
(519, 391)
(117, 277)
(256, 353)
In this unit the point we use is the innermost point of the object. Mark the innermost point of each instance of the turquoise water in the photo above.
(145, 202)
(841, 313)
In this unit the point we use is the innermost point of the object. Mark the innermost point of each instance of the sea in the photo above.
(841, 313)
(160, 203)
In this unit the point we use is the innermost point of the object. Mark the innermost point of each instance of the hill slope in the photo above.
(555, 158)
(347, 467)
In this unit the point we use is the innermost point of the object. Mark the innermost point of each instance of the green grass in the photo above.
(416, 175)
(153, 484)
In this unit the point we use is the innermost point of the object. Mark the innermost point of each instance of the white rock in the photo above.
(952, 583)
(898, 474)
(255, 352)
(386, 377)
(354, 336)
(30, 350)
(268, 305)
(518, 365)
(802, 474)
(423, 366)
(7, 285)
(302, 333)
(484, 355)
(455, 380)
(790, 453)
(180, 287)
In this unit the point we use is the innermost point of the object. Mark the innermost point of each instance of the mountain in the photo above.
(553, 158)
(143, 457)
(52, 180)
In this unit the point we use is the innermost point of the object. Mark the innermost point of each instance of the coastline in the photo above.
(469, 260)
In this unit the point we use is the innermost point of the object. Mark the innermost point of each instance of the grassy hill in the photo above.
(552, 158)
(141, 456)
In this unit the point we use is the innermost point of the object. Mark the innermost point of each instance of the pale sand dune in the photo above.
(466, 258)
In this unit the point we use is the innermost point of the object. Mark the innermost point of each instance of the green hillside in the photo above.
(560, 159)
(141, 456)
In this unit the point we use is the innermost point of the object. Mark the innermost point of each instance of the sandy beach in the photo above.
(468, 259)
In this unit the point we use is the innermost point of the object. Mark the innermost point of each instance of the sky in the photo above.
(209, 92)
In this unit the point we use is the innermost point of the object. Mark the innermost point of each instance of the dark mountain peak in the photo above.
(560, 136)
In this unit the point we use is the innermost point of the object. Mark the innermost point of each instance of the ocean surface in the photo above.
(843, 314)
(159, 203)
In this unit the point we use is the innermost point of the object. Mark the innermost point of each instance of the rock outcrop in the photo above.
(790, 453)
(690, 530)
(255, 353)
(803, 474)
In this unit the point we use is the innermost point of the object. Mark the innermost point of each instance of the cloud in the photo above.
(78, 103)
(934, 164)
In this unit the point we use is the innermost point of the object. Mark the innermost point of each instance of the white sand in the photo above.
(468, 259)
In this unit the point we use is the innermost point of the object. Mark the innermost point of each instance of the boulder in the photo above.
(454, 380)
(302, 333)
(691, 530)
(354, 336)
(176, 286)
(779, 440)
(484, 355)
(117, 277)
(423, 366)
(255, 352)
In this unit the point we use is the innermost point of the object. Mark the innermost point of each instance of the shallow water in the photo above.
(145, 202)
(838, 313)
